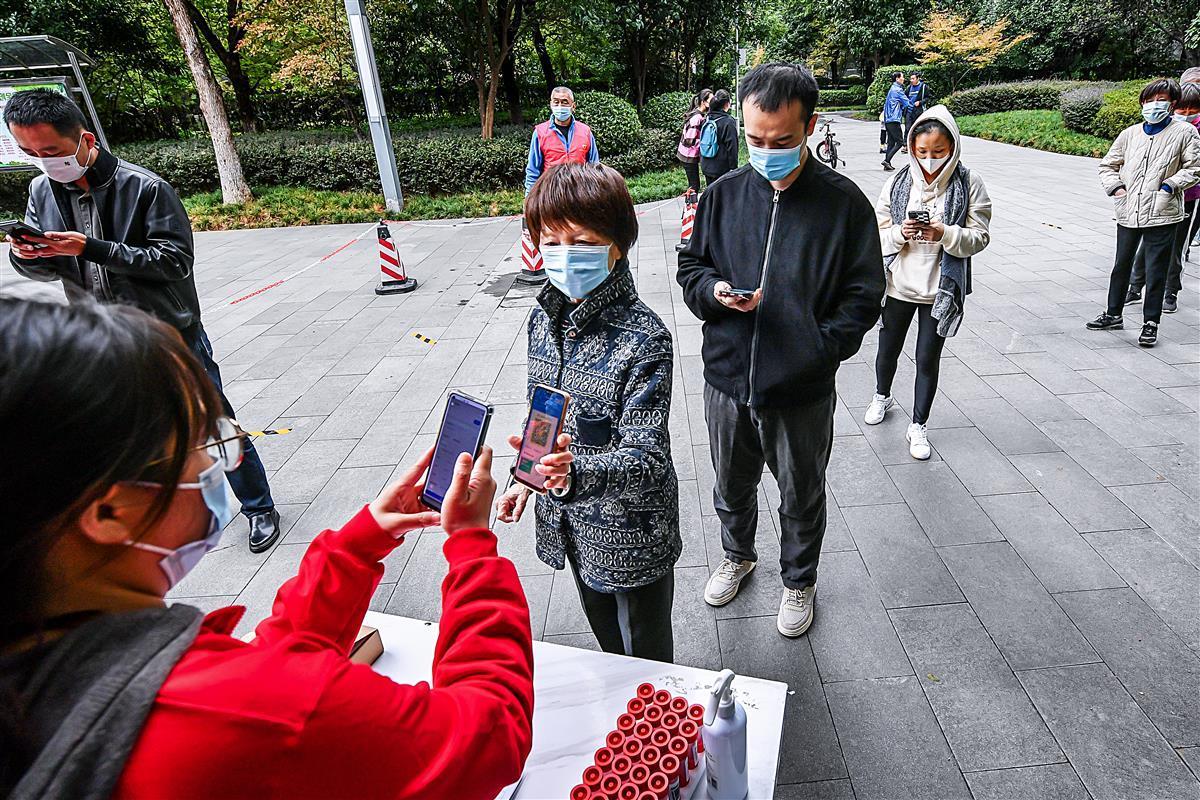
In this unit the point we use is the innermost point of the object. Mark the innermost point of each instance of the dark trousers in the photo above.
(1157, 243)
(1183, 234)
(249, 481)
(897, 316)
(882, 135)
(794, 442)
(634, 623)
(895, 140)
(692, 170)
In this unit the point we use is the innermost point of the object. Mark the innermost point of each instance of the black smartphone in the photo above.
(18, 229)
(738, 292)
(547, 414)
(464, 427)
(919, 216)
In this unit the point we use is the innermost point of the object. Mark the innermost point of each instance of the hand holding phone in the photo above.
(469, 499)
(536, 448)
(737, 299)
(399, 509)
(464, 427)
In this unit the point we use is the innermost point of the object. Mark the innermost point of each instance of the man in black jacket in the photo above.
(784, 267)
(117, 233)
(726, 157)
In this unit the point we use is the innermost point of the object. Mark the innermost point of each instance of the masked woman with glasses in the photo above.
(113, 488)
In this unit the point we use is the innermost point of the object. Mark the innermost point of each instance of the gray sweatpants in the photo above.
(794, 442)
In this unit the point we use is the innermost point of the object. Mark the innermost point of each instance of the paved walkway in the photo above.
(1016, 618)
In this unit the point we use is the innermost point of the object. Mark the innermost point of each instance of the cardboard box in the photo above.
(368, 646)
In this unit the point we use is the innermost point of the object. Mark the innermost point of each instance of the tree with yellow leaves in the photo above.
(954, 41)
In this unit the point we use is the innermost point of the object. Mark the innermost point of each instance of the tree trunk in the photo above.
(543, 54)
(512, 91)
(231, 59)
(234, 188)
(243, 93)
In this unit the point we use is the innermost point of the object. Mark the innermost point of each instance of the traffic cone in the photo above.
(392, 277)
(689, 219)
(532, 271)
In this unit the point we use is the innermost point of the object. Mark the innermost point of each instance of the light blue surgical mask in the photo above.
(774, 165)
(1156, 111)
(561, 113)
(575, 269)
(214, 488)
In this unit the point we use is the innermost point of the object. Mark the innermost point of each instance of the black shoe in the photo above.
(264, 530)
(1133, 296)
(888, 167)
(1170, 304)
(1106, 322)
(1149, 334)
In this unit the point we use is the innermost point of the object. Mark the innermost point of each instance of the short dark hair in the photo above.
(44, 106)
(1189, 96)
(720, 100)
(771, 86)
(931, 124)
(1166, 86)
(591, 195)
(897, 74)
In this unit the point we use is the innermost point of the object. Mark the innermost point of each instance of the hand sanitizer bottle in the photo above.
(725, 742)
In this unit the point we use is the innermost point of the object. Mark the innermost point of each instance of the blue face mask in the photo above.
(561, 113)
(774, 165)
(576, 269)
(1155, 111)
(177, 563)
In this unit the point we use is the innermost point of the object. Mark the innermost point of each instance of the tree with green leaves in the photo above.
(952, 41)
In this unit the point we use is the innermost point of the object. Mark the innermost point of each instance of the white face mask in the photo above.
(932, 165)
(64, 169)
(1155, 111)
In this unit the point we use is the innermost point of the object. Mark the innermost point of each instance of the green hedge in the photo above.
(1080, 105)
(655, 149)
(829, 98)
(666, 111)
(1119, 109)
(994, 98)
(937, 78)
(614, 122)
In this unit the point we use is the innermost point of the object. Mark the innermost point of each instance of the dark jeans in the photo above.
(1157, 243)
(635, 623)
(794, 442)
(1183, 234)
(897, 316)
(895, 140)
(249, 481)
(692, 170)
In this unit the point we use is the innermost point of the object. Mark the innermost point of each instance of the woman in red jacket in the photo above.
(112, 488)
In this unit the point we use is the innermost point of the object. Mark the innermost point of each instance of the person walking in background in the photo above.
(896, 107)
(560, 139)
(689, 141)
(784, 268)
(1146, 172)
(718, 139)
(117, 233)
(933, 217)
(917, 94)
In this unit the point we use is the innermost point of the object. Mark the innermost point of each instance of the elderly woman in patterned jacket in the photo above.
(612, 506)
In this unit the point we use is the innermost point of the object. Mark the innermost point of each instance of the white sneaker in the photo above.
(878, 409)
(918, 442)
(796, 611)
(723, 585)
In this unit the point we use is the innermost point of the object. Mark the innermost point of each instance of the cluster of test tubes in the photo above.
(652, 754)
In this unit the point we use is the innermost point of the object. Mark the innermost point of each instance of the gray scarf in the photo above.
(955, 282)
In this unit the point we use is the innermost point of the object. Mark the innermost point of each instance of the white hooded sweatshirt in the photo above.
(915, 273)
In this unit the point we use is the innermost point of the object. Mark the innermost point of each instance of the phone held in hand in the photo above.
(919, 216)
(19, 230)
(547, 415)
(731, 292)
(464, 427)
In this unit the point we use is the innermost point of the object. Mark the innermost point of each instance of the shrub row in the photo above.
(654, 150)
(1118, 110)
(830, 98)
(613, 121)
(1080, 105)
(666, 111)
(993, 98)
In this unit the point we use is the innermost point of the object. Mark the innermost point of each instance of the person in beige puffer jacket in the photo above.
(1146, 171)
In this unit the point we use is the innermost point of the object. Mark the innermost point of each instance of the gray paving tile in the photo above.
(982, 709)
(1110, 742)
(856, 476)
(1171, 513)
(691, 528)
(979, 465)
(1191, 757)
(1160, 672)
(517, 542)
(980, 357)
(1134, 392)
(851, 636)
(566, 613)
(338, 501)
(1052, 782)
(1082, 501)
(960, 383)
(887, 438)
(754, 647)
(942, 505)
(816, 790)
(1159, 575)
(259, 594)
(418, 590)
(537, 595)
(902, 562)
(1006, 428)
(761, 590)
(1032, 399)
(1178, 463)
(1106, 459)
(1117, 420)
(837, 535)
(308, 470)
(1022, 618)
(692, 620)
(892, 743)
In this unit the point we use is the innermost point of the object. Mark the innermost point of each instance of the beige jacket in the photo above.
(1141, 164)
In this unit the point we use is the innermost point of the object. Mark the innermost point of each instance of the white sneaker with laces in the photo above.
(723, 585)
(918, 442)
(796, 611)
(878, 409)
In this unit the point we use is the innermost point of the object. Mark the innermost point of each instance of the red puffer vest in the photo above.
(554, 151)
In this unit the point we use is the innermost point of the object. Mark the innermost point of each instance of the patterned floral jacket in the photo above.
(613, 355)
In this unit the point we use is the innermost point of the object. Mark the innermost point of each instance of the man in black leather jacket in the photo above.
(117, 233)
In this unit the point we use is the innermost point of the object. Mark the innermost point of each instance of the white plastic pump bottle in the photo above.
(725, 742)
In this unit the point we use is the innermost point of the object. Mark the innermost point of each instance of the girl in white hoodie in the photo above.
(933, 216)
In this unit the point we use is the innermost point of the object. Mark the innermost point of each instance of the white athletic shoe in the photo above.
(796, 611)
(723, 585)
(918, 442)
(878, 409)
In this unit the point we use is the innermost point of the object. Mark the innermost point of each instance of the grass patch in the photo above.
(1042, 130)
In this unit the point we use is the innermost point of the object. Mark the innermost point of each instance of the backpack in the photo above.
(708, 139)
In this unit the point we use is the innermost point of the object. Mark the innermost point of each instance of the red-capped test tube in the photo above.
(610, 784)
(679, 748)
(604, 759)
(614, 740)
(662, 698)
(670, 768)
(679, 705)
(695, 713)
(581, 792)
(643, 730)
(636, 706)
(628, 792)
(639, 775)
(658, 785)
(592, 777)
(650, 757)
(648, 795)
(660, 738)
(633, 749)
(670, 721)
(689, 731)
(646, 692)
(654, 714)
(621, 765)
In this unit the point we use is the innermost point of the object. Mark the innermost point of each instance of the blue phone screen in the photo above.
(460, 433)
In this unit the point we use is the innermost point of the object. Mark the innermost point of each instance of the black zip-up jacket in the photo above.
(814, 249)
(146, 253)
(727, 145)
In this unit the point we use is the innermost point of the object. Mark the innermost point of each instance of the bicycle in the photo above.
(827, 148)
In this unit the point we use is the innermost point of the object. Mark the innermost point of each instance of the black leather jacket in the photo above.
(146, 253)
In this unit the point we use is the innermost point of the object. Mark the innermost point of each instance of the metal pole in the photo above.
(97, 128)
(368, 76)
(737, 70)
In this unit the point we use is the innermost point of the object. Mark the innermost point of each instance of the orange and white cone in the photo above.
(392, 277)
(689, 219)
(532, 270)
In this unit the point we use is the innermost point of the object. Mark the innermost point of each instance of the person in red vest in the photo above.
(562, 138)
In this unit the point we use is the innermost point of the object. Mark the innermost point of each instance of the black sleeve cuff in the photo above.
(97, 251)
(1116, 189)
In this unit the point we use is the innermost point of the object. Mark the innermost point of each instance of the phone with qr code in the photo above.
(547, 415)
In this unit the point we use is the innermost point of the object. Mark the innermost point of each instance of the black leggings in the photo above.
(897, 315)
(692, 170)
